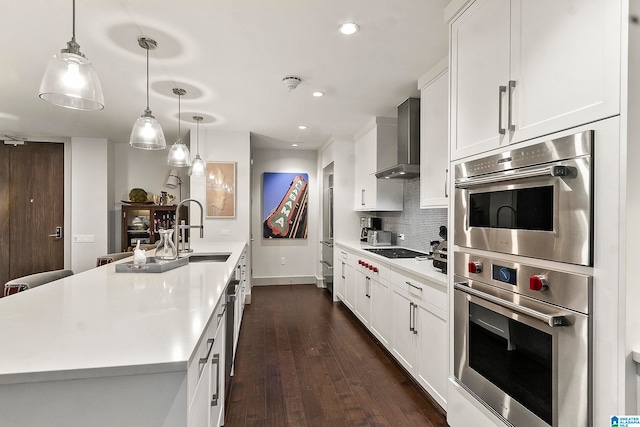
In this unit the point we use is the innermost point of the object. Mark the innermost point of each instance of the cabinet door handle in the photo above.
(215, 360)
(362, 197)
(343, 270)
(512, 84)
(368, 287)
(446, 183)
(411, 329)
(501, 90)
(415, 328)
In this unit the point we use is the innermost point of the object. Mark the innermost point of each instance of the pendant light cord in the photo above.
(147, 77)
(179, 96)
(198, 137)
(73, 33)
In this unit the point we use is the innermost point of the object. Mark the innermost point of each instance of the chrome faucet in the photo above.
(181, 227)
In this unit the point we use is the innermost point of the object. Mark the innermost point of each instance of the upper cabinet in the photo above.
(434, 122)
(523, 69)
(375, 149)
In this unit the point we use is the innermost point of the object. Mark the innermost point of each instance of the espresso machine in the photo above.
(369, 223)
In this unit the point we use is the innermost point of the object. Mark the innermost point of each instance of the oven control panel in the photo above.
(570, 290)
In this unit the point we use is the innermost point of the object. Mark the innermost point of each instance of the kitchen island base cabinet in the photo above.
(129, 400)
(167, 399)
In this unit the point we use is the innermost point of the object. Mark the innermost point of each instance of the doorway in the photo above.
(31, 208)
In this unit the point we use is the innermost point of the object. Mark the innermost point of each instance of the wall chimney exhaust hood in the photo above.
(408, 145)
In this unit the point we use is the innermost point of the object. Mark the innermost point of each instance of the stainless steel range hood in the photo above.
(408, 145)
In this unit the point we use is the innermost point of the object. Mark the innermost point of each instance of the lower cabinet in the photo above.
(419, 332)
(407, 313)
(206, 373)
(380, 323)
(363, 297)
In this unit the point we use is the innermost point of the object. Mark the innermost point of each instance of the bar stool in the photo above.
(109, 258)
(31, 281)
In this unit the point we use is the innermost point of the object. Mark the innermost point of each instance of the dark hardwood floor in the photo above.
(305, 361)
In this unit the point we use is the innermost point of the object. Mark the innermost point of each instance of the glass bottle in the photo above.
(165, 248)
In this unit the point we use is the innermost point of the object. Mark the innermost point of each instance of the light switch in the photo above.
(84, 238)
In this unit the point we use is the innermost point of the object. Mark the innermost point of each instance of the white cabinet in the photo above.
(403, 337)
(380, 323)
(434, 142)
(363, 297)
(205, 374)
(419, 331)
(363, 282)
(375, 149)
(340, 259)
(525, 69)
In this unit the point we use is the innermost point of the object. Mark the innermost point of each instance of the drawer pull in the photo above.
(203, 360)
(413, 286)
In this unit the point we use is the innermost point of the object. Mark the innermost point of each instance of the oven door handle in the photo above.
(553, 171)
(552, 320)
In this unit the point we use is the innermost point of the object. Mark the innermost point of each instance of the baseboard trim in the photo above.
(286, 280)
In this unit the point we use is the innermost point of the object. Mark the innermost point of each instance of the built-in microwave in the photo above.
(534, 201)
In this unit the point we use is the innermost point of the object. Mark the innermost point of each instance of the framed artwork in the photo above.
(221, 190)
(284, 205)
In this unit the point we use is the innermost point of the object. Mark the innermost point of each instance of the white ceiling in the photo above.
(230, 56)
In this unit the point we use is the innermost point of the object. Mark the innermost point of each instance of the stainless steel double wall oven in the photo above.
(522, 330)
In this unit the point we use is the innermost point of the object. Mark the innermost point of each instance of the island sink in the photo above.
(208, 257)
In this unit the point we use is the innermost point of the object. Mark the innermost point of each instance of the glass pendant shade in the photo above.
(70, 80)
(179, 155)
(147, 133)
(198, 167)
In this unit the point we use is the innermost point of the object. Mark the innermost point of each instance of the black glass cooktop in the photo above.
(396, 252)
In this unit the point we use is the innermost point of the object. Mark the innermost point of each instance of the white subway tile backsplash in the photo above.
(419, 226)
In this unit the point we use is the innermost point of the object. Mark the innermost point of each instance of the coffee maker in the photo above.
(368, 223)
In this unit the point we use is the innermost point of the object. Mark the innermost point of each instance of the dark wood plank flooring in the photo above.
(305, 361)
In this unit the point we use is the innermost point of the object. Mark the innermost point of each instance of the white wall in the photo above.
(301, 255)
(88, 195)
(221, 146)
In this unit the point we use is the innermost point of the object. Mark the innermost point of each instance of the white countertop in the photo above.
(423, 269)
(103, 323)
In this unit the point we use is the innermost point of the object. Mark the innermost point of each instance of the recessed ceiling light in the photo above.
(348, 28)
(318, 93)
(302, 127)
(296, 143)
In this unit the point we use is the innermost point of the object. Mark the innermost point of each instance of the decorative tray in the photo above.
(151, 266)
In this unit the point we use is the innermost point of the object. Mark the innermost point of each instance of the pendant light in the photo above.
(70, 80)
(179, 155)
(198, 167)
(147, 133)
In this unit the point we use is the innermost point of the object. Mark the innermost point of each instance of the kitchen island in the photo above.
(102, 348)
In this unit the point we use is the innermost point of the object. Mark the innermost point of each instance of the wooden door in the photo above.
(31, 207)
